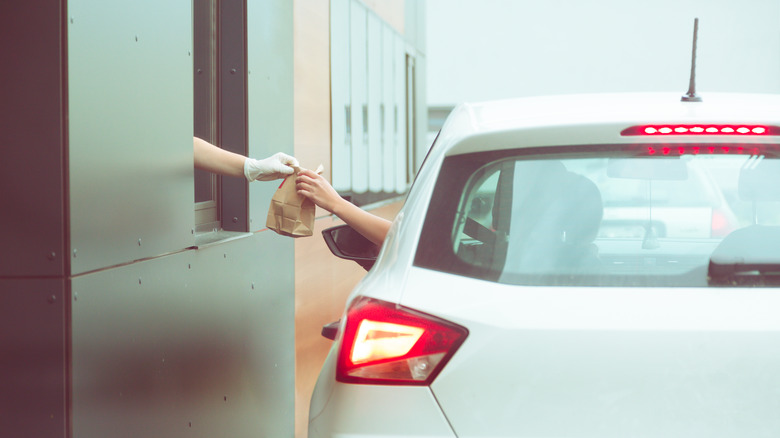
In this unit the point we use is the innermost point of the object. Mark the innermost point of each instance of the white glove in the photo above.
(274, 167)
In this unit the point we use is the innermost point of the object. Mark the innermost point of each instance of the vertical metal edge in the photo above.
(233, 110)
(65, 186)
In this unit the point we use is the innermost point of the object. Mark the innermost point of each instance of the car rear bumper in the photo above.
(365, 411)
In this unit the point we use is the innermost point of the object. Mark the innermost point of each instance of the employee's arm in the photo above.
(217, 160)
(220, 161)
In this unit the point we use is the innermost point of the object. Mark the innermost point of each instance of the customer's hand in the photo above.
(316, 188)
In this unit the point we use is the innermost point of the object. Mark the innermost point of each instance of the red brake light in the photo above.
(700, 129)
(697, 149)
(390, 345)
(721, 225)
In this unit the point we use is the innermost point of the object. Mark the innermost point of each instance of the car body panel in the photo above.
(415, 411)
(547, 361)
(573, 361)
(597, 118)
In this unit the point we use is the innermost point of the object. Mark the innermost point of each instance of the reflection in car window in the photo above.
(476, 213)
(600, 218)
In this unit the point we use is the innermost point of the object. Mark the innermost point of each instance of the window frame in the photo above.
(223, 119)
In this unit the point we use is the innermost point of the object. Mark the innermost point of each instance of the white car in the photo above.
(506, 302)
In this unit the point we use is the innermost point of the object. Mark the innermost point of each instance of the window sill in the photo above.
(215, 237)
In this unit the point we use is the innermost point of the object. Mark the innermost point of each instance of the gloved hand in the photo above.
(274, 167)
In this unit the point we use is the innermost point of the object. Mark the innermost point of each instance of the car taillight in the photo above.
(721, 224)
(390, 345)
(700, 129)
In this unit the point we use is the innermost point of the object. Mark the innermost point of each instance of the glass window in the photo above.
(606, 217)
(205, 71)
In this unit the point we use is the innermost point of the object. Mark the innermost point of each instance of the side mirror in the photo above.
(346, 243)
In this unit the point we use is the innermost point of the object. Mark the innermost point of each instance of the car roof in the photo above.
(596, 118)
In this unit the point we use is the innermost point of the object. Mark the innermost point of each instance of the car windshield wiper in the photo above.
(719, 269)
(747, 256)
(740, 271)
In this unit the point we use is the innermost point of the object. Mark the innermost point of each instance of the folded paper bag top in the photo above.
(291, 214)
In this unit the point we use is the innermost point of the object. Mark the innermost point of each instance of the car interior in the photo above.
(537, 222)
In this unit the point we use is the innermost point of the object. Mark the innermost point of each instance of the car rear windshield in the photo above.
(633, 215)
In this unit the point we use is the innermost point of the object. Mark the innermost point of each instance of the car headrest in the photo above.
(760, 181)
(586, 209)
(530, 178)
(752, 244)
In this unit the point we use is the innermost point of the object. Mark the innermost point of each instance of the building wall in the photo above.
(195, 343)
(33, 261)
(322, 281)
(271, 95)
(172, 337)
(33, 364)
(119, 316)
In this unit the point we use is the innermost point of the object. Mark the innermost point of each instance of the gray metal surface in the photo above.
(340, 92)
(32, 139)
(232, 111)
(198, 344)
(33, 358)
(374, 162)
(270, 93)
(358, 76)
(131, 125)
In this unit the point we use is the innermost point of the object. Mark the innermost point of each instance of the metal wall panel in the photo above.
(374, 161)
(270, 93)
(131, 125)
(196, 344)
(421, 114)
(233, 108)
(32, 138)
(400, 117)
(388, 97)
(414, 24)
(340, 91)
(359, 94)
(33, 358)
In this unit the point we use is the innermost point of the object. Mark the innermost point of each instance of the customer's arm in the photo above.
(318, 190)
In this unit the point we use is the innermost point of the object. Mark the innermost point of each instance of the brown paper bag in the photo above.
(289, 213)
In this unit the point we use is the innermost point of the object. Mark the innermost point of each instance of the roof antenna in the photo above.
(691, 96)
